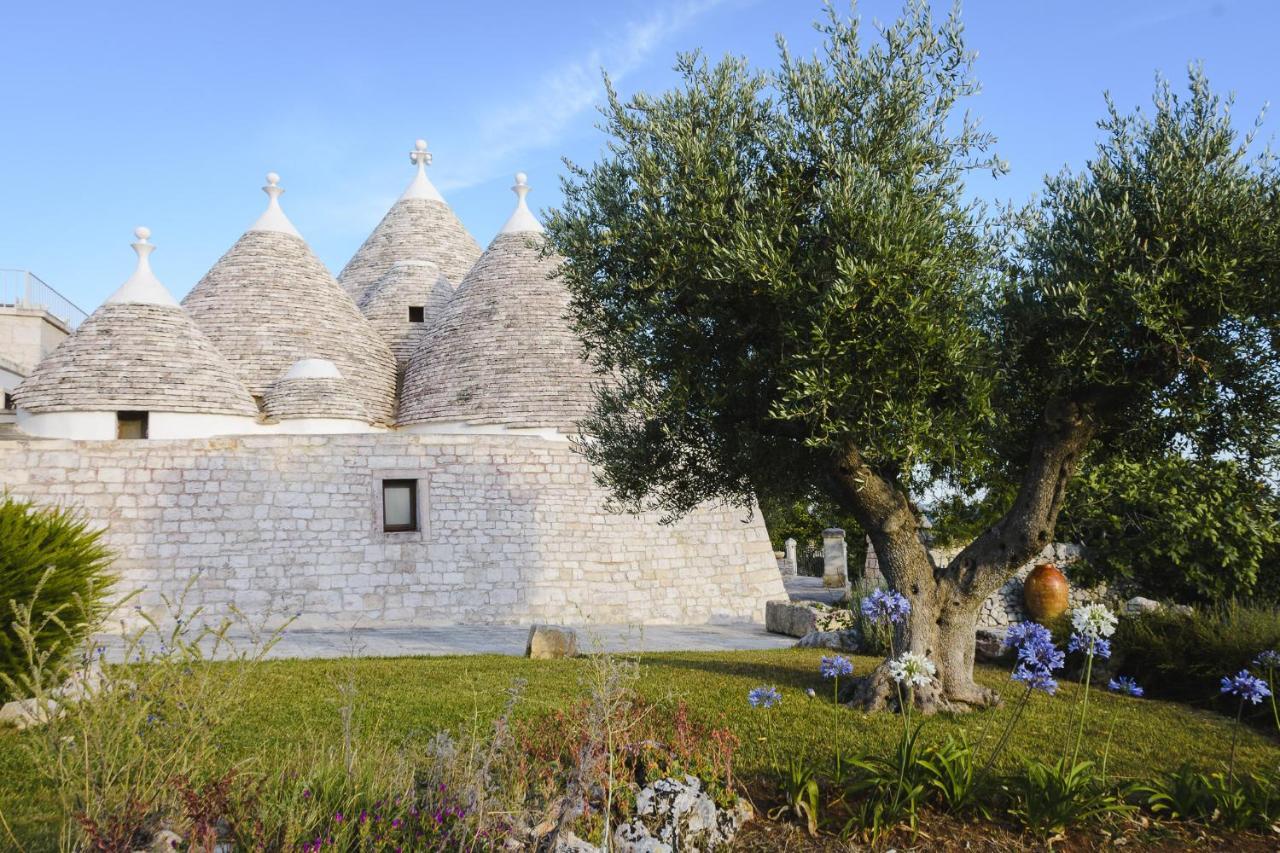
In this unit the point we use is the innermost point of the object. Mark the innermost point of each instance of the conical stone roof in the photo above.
(387, 303)
(313, 388)
(138, 351)
(419, 226)
(502, 352)
(269, 301)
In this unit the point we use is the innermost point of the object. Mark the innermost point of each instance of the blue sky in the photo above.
(169, 115)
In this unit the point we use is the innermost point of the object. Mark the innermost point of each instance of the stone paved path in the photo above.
(510, 640)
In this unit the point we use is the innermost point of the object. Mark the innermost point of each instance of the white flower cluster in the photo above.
(912, 669)
(1093, 621)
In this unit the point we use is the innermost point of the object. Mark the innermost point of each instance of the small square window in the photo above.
(8, 402)
(417, 314)
(399, 505)
(131, 424)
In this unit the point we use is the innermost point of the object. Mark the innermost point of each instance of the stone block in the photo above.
(547, 642)
(789, 618)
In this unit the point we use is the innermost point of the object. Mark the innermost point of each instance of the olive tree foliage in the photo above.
(780, 275)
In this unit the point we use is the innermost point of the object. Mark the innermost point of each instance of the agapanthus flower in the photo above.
(1096, 646)
(912, 669)
(763, 697)
(1016, 636)
(1041, 653)
(836, 666)
(1247, 686)
(1125, 685)
(886, 606)
(1035, 677)
(1270, 659)
(1094, 621)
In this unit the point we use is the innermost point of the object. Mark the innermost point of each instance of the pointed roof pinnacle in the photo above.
(273, 218)
(522, 220)
(143, 287)
(421, 186)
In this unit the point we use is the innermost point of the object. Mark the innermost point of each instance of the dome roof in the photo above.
(388, 303)
(502, 351)
(139, 350)
(419, 226)
(269, 301)
(313, 388)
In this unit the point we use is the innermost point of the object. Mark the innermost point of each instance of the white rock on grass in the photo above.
(841, 641)
(674, 815)
(24, 713)
(547, 642)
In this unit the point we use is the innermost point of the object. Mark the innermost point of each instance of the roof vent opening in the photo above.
(131, 425)
(417, 314)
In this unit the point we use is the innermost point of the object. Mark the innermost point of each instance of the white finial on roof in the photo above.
(421, 187)
(273, 218)
(522, 219)
(143, 287)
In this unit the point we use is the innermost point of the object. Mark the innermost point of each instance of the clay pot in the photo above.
(1046, 593)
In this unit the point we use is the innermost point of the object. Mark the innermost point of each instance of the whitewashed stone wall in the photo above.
(514, 531)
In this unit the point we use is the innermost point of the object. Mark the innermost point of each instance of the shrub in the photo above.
(1183, 656)
(53, 563)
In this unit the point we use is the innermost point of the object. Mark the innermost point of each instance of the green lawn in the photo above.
(296, 703)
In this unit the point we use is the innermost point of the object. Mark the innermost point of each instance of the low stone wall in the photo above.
(514, 531)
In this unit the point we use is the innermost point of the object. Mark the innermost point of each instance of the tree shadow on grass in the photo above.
(798, 675)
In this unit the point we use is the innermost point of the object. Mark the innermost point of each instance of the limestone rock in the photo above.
(547, 642)
(989, 644)
(674, 814)
(1139, 605)
(841, 641)
(791, 619)
(25, 713)
(567, 842)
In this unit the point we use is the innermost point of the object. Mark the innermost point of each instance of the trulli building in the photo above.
(392, 447)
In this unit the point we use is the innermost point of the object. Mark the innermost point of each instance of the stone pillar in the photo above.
(835, 559)
(789, 561)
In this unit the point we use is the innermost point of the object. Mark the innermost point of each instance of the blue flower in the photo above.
(763, 697)
(1016, 636)
(1099, 647)
(886, 606)
(834, 667)
(1270, 659)
(1036, 678)
(1125, 685)
(1248, 687)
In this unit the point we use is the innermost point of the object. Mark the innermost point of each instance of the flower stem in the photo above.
(1004, 736)
(1235, 737)
(1084, 706)
(1271, 671)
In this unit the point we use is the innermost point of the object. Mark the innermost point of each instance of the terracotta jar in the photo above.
(1046, 593)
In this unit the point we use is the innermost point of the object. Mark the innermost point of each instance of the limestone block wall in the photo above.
(514, 530)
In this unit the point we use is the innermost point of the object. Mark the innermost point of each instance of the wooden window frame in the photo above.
(413, 526)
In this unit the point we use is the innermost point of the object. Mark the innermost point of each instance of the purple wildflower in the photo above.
(1248, 687)
(1099, 647)
(1270, 659)
(1125, 685)
(1036, 678)
(836, 666)
(763, 697)
(886, 606)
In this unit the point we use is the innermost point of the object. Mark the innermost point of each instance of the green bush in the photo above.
(1183, 656)
(51, 560)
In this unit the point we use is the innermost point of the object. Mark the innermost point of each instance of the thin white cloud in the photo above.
(543, 114)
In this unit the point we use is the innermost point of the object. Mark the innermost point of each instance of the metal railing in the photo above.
(25, 289)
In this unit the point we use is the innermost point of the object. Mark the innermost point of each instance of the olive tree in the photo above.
(781, 278)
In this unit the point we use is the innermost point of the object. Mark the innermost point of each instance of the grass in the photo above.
(296, 705)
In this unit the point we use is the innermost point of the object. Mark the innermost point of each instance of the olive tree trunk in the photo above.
(946, 600)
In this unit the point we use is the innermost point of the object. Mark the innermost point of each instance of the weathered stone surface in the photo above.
(677, 815)
(843, 641)
(791, 619)
(990, 644)
(567, 842)
(413, 229)
(386, 303)
(313, 397)
(502, 352)
(25, 713)
(136, 356)
(269, 302)
(1139, 605)
(515, 531)
(547, 642)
